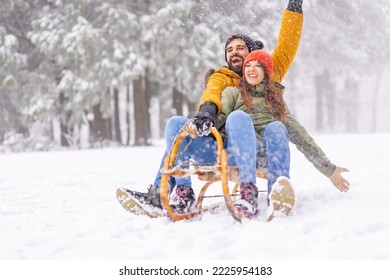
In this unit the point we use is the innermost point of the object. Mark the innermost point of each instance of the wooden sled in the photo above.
(220, 171)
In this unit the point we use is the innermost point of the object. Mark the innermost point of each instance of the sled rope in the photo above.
(177, 136)
(185, 148)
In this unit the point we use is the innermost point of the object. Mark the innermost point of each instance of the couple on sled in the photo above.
(244, 101)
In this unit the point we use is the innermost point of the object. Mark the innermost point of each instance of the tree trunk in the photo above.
(128, 114)
(109, 134)
(100, 128)
(374, 124)
(148, 96)
(326, 99)
(319, 103)
(117, 128)
(177, 102)
(165, 111)
(330, 98)
(98, 125)
(351, 104)
(65, 132)
(10, 117)
(192, 108)
(139, 113)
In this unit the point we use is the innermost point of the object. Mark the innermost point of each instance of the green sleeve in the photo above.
(228, 101)
(306, 144)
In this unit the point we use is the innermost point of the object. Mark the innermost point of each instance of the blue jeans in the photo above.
(241, 145)
(277, 151)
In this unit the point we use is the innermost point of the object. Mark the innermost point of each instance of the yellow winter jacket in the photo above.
(283, 55)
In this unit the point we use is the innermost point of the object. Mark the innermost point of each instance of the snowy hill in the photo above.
(62, 205)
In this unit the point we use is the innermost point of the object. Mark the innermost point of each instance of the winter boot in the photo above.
(281, 198)
(152, 197)
(247, 204)
(182, 200)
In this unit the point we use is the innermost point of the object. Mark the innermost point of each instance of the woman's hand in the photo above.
(339, 181)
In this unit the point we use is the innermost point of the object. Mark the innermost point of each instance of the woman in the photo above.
(262, 126)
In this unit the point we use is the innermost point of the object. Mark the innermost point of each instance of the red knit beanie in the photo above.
(261, 56)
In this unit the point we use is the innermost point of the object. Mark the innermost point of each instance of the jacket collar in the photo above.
(230, 73)
(260, 88)
(259, 91)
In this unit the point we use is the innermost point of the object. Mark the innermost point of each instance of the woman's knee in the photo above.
(238, 118)
(276, 128)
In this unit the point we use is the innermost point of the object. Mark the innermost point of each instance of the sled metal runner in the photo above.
(220, 171)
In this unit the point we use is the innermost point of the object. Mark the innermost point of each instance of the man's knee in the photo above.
(174, 124)
(176, 121)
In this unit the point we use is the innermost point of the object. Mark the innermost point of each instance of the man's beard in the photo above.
(237, 69)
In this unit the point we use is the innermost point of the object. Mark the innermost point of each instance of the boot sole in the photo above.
(282, 199)
(132, 205)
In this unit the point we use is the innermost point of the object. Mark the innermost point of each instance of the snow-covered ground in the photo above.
(62, 205)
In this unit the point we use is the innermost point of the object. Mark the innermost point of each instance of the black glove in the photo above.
(205, 118)
(295, 6)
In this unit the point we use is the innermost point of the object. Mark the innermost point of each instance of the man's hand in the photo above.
(190, 129)
(339, 181)
(205, 118)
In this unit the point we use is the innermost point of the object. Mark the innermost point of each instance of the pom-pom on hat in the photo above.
(261, 56)
(250, 43)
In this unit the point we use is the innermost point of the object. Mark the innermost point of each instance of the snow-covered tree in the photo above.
(93, 46)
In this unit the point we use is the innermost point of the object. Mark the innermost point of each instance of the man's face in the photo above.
(236, 51)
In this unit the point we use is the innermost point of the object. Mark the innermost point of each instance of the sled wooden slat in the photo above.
(233, 174)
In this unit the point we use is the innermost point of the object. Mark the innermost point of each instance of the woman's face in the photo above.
(254, 73)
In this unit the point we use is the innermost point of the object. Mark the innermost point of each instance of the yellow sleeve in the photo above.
(216, 84)
(288, 43)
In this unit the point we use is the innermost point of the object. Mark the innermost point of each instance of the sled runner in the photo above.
(220, 171)
(134, 205)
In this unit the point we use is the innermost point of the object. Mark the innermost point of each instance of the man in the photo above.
(237, 47)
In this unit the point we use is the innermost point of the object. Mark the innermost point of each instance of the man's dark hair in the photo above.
(251, 44)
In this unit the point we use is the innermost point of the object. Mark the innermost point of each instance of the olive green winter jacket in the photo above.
(261, 116)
